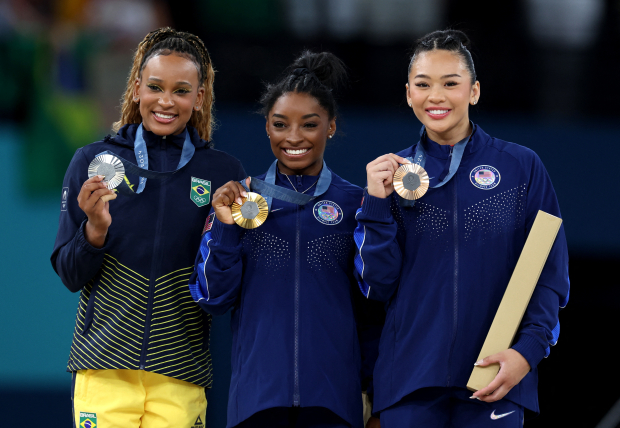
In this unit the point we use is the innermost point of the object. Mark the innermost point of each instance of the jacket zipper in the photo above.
(155, 259)
(456, 273)
(296, 395)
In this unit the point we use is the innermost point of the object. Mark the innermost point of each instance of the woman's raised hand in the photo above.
(380, 173)
(224, 197)
(93, 200)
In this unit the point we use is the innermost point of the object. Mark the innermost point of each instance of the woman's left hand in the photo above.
(513, 368)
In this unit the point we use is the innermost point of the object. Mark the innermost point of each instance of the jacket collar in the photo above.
(477, 139)
(127, 135)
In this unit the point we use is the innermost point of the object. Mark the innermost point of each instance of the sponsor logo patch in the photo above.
(88, 420)
(327, 212)
(200, 191)
(198, 423)
(485, 177)
(63, 201)
(209, 223)
(495, 417)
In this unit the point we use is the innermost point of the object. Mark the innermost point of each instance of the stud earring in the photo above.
(136, 99)
(409, 104)
(197, 108)
(331, 135)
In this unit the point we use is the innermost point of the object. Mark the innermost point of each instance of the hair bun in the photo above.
(327, 67)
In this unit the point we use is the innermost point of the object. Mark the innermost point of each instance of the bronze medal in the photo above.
(411, 181)
(252, 213)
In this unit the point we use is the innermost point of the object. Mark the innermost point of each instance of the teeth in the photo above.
(164, 116)
(438, 111)
(295, 152)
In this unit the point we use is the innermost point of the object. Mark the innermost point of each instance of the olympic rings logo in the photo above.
(199, 199)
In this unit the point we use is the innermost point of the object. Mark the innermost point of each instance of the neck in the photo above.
(314, 169)
(451, 136)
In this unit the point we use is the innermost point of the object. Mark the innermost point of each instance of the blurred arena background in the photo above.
(548, 72)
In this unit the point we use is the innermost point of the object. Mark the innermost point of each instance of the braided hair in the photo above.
(449, 40)
(315, 74)
(166, 41)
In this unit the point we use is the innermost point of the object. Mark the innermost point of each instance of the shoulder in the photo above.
(523, 156)
(344, 186)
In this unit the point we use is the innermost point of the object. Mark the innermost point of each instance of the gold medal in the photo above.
(411, 181)
(252, 213)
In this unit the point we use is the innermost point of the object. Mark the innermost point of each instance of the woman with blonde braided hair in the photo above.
(140, 353)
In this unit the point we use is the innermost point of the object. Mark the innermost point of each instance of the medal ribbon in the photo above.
(420, 158)
(269, 190)
(142, 169)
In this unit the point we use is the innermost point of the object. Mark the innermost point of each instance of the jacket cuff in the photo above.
(530, 348)
(85, 245)
(227, 235)
(377, 208)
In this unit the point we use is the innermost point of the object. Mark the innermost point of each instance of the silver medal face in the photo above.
(110, 166)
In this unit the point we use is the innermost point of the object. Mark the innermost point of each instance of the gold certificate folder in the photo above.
(517, 296)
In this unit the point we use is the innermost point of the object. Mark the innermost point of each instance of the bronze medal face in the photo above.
(252, 213)
(110, 166)
(411, 181)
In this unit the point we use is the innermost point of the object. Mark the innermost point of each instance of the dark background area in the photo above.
(547, 71)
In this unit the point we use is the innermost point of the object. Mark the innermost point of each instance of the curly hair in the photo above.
(166, 41)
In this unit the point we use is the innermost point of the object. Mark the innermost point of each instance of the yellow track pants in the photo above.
(136, 399)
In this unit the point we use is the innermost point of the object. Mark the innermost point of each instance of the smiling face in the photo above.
(440, 91)
(298, 128)
(168, 91)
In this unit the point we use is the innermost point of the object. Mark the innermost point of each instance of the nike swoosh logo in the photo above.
(277, 209)
(495, 417)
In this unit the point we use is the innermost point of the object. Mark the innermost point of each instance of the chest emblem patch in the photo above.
(200, 191)
(327, 212)
(485, 177)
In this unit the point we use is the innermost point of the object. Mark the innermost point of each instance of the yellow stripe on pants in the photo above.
(136, 399)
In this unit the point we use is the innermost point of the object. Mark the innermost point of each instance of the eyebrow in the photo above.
(446, 76)
(306, 116)
(180, 82)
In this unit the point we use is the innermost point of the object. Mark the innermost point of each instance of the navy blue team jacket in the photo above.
(135, 311)
(443, 266)
(290, 284)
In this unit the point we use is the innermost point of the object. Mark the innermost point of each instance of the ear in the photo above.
(332, 128)
(200, 98)
(267, 125)
(136, 88)
(475, 93)
(407, 94)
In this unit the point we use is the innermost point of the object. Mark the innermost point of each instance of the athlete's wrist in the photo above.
(94, 235)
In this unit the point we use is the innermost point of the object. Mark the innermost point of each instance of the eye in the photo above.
(279, 125)
(421, 85)
(154, 87)
(310, 125)
(451, 83)
(182, 91)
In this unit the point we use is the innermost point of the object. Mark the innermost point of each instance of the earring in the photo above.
(268, 135)
(331, 135)
(409, 104)
(197, 108)
(136, 99)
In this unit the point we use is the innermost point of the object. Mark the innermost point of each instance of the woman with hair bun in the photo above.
(140, 353)
(443, 261)
(296, 356)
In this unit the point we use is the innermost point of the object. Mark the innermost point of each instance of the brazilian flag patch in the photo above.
(200, 191)
(88, 420)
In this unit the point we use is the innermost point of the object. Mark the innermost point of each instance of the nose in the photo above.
(294, 136)
(437, 94)
(166, 101)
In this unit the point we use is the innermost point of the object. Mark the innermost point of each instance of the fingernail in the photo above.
(240, 201)
(101, 177)
(244, 193)
(477, 363)
(473, 396)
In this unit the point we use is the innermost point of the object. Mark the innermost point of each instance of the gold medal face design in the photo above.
(411, 181)
(252, 213)
(109, 166)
